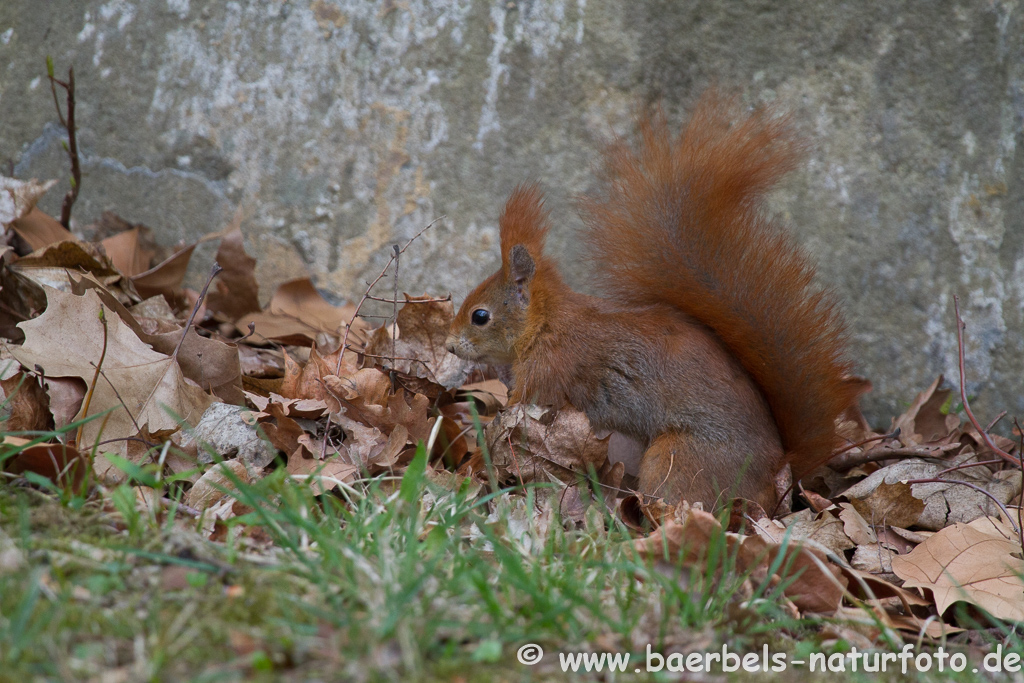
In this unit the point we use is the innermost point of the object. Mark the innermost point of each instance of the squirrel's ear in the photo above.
(521, 269)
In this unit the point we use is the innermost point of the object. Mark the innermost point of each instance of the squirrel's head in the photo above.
(493, 318)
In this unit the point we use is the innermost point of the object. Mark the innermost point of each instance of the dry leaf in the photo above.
(38, 229)
(216, 486)
(544, 441)
(144, 388)
(963, 563)
(126, 252)
(298, 314)
(881, 502)
(26, 405)
(210, 363)
(18, 197)
(58, 462)
(323, 475)
(235, 291)
(165, 277)
(422, 330)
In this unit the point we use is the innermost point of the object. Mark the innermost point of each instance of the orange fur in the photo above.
(714, 350)
(682, 224)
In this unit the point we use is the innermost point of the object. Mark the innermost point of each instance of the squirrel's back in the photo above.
(681, 222)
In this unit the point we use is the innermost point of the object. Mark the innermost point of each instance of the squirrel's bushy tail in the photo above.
(681, 222)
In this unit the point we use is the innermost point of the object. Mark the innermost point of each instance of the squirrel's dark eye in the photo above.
(481, 317)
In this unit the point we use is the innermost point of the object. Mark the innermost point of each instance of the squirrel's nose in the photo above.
(450, 342)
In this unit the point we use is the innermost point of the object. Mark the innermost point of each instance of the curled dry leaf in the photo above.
(53, 266)
(422, 330)
(22, 298)
(25, 405)
(216, 486)
(60, 463)
(824, 528)
(38, 230)
(924, 421)
(235, 291)
(323, 475)
(883, 498)
(144, 389)
(528, 442)
(18, 197)
(166, 277)
(816, 586)
(298, 314)
(964, 563)
(127, 252)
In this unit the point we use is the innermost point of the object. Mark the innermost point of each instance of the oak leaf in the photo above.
(144, 389)
(964, 563)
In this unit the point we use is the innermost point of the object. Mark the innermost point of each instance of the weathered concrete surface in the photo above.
(340, 127)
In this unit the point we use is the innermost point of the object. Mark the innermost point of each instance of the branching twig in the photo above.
(348, 328)
(72, 145)
(370, 285)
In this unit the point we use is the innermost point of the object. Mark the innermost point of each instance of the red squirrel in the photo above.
(713, 348)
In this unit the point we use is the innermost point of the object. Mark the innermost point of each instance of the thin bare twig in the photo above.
(408, 301)
(968, 465)
(933, 480)
(876, 454)
(103, 374)
(392, 358)
(72, 147)
(95, 379)
(348, 328)
(195, 309)
(370, 285)
(960, 327)
(1020, 498)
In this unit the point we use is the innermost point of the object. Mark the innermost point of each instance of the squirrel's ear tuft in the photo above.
(524, 222)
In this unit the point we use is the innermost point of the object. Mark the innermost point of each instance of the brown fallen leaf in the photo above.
(298, 314)
(61, 463)
(20, 298)
(886, 503)
(235, 292)
(528, 442)
(322, 475)
(165, 277)
(18, 197)
(422, 330)
(126, 251)
(964, 563)
(882, 497)
(26, 405)
(38, 230)
(924, 421)
(210, 363)
(66, 395)
(144, 388)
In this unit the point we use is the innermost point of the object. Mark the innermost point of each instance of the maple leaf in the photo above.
(146, 389)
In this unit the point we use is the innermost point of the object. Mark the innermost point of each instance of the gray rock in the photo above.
(341, 127)
(223, 430)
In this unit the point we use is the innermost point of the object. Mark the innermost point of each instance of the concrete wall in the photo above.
(340, 127)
